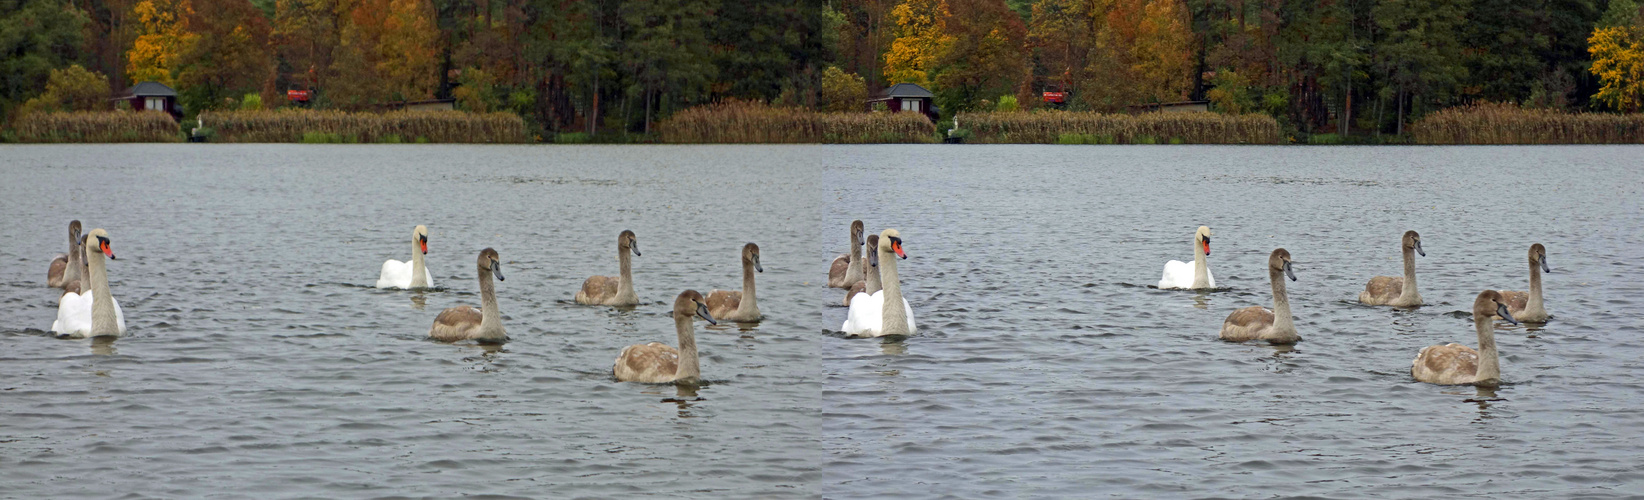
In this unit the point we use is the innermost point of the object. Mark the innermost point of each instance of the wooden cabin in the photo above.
(908, 97)
(154, 96)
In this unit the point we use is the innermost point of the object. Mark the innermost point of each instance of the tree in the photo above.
(842, 91)
(71, 89)
(1618, 61)
(1421, 54)
(921, 41)
(387, 51)
(36, 37)
(228, 55)
(162, 42)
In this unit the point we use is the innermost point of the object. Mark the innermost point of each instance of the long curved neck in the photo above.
(625, 265)
(1201, 271)
(858, 260)
(490, 316)
(103, 321)
(688, 369)
(1409, 274)
(1534, 304)
(419, 273)
(894, 317)
(1284, 326)
(750, 301)
(874, 283)
(74, 271)
(1489, 362)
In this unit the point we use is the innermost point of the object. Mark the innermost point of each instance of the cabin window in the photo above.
(910, 105)
(154, 104)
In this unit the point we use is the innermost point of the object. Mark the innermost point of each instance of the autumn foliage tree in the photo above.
(387, 50)
(1617, 47)
(965, 50)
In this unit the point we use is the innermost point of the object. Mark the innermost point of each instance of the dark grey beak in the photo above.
(1544, 267)
(496, 269)
(1501, 310)
(1288, 272)
(634, 245)
(758, 267)
(873, 258)
(702, 310)
(1418, 249)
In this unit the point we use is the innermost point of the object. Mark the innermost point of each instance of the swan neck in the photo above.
(1534, 304)
(103, 320)
(490, 315)
(894, 318)
(1489, 361)
(1409, 273)
(1201, 270)
(1282, 319)
(419, 273)
(625, 264)
(750, 301)
(874, 283)
(689, 369)
(76, 263)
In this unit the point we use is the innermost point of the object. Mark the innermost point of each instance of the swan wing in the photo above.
(73, 314)
(395, 274)
(1177, 274)
(911, 328)
(865, 316)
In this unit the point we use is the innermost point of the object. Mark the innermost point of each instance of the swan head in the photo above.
(857, 228)
(1538, 257)
(750, 253)
(690, 303)
(892, 241)
(420, 235)
(74, 232)
(1490, 302)
(873, 257)
(1280, 261)
(99, 237)
(490, 263)
(1413, 241)
(627, 243)
(1202, 237)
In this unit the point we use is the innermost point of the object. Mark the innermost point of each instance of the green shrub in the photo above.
(251, 102)
(1007, 104)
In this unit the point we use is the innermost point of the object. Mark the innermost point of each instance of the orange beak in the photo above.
(107, 251)
(424, 246)
(1206, 248)
(898, 248)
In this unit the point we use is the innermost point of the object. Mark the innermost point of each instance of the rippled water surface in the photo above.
(260, 359)
(1046, 365)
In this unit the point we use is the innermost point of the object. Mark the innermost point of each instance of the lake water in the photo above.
(260, 359)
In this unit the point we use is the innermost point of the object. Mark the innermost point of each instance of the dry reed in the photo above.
(757, 123)
(397, 126)
(97, 126)
(1053, 127)
(1491, 123)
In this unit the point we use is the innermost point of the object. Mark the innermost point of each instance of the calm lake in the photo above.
(261, 359)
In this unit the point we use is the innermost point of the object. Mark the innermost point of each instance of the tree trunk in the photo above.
(1398, 128)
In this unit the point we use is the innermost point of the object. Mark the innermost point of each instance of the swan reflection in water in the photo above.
(103, 346)
(685, 396)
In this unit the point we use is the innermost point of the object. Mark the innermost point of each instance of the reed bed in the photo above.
(1067, 127)
(757, 123)
(339, 126)
(97, 126)
(1492, 123)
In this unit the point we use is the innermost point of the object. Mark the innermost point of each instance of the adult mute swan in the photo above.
(93, 313)
(1178, 274)
(884, 312)
(846, 270)
(1259, 323)
(614, 290)
(655, 363)
(62, 270)
(410, 274)
(870, 281)
(743, 306)
(1527, 307)
(1395, 291)
(465, 323)
(1456, 364)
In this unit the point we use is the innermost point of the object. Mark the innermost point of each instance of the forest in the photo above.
(1345, 67)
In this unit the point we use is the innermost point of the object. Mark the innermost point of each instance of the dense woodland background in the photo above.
(1359, 67)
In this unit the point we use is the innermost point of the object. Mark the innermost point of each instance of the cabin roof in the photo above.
(151, 89)
(905, 90)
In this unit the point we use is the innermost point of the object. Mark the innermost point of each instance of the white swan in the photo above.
(1276, 326)
(878, 315)
(1528, 307)
(1178, 274)
(410, 274)
(93, 313)
(1393, 290)
(465, 323)
(1456, 364)
(655, 363)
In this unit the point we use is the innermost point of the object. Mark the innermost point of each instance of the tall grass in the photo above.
(1067, 127)
(1492, 123)
(98, 126)
(752, 122)
(338, 126)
